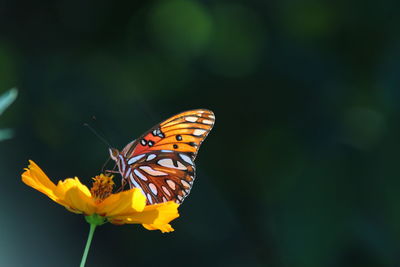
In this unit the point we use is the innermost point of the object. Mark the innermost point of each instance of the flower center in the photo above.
(102, 186)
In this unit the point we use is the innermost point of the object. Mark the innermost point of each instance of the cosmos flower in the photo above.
(99, 204)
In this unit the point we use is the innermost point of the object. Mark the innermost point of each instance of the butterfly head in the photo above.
(114, 153)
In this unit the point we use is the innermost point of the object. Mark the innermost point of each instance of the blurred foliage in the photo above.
(6, 100)
(301, 168)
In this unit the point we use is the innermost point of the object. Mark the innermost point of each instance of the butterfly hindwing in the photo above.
(163, 176)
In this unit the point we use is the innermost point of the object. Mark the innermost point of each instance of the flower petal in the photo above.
(37, 179)
(75, 196)
(70, 193)
(165, 228)
(153, 217)
(126, 207)
(122, 203)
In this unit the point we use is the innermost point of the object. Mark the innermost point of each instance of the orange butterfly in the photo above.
(161, 161)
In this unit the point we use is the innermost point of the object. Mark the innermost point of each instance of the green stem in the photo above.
(88, 242)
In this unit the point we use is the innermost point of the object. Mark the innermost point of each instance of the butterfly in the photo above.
(161, 161)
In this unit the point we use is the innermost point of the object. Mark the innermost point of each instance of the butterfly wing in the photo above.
(161, 160)
(162, 176)
(183, 132)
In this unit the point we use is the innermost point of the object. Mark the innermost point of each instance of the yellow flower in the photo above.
(126, 207)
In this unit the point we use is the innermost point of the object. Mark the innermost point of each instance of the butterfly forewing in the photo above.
(160, 162)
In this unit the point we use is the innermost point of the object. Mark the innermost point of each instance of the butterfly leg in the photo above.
(111, 171)
(123, 184)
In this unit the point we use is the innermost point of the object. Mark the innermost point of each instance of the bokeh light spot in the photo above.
(237, 41)
(181, 27)
(307, 19)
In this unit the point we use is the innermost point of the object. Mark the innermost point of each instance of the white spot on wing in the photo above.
(186, 158)
(199, 132)
(185, 184)
(171, 184)
(149, 198)
(191, 119)
(180, 197)
(166, 190)
(170, 164)
(136, 184)
(207, 122)
(153, 188)
(134, 181)
(140, 175)
(150, 157)
(211, 116)
(164, 199)
(134, 159)
(166, 150)
(151, 171)
(128, 172)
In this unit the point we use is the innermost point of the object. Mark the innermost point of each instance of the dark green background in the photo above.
(301, 168)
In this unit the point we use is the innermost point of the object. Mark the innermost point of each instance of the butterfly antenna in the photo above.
(97, 134)
(104, 165)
